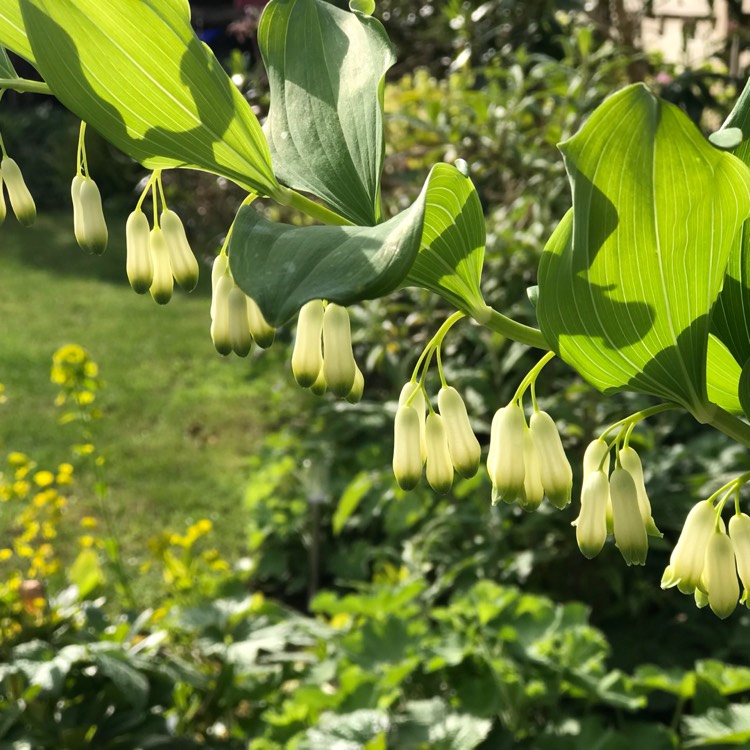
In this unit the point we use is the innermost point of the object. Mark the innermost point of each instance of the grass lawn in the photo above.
(179, 421)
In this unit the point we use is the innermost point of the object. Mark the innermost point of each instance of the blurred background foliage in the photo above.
(320, 606)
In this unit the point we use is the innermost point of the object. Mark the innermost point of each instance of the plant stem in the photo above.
(287, 197)
(495, 321)
(25, 86)
(732, 426)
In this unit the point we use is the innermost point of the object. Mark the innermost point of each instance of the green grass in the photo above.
(179, 421)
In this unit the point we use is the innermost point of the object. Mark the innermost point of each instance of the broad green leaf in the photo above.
(722, 376)
(451, 254)
(719, 726)
(629, 277)
(6, 66)
(130, 683)
(86, 573)
(325, 123)
(12, 30)
(136, 72)
(350, 500)
(281, 266)
(731, 315)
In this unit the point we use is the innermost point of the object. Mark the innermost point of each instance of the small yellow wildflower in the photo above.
(44, 478)
(89, 522)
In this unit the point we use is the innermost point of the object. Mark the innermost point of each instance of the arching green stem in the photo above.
(25, 86)
(732, 426)
(502, 324)
(638, 416)
(532, 375)
(287, 197)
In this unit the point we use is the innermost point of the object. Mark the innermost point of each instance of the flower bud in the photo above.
(533, 490)
(319, 387)
(720, 575)
(181, 258)
(407, 453)
(239, 333)
(630, 533)
(632, 464)
(338, 359)
(597, 453)
(556, 474)
(263, 333)
(591, 524)
(505, 458)
(162, 284)
(220, 323)
(20, 197)
(219, 269)
(416, 400)
(739, 533)
(355, 394)
(89, 225)
(307, 356)
(439, 470)
(137, 240)
(462, 443)
(689, 554)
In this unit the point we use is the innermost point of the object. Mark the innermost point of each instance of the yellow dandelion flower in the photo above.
(5, 554)
(89, 522)
(44, 478)
(86, 541)
(17, 459)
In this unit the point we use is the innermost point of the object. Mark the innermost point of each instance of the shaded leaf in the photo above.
(325, 123)
(130, 683)
(6, 66)
(136, 71)
(629, 277)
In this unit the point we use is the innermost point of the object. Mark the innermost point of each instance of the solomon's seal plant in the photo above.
(640, 286)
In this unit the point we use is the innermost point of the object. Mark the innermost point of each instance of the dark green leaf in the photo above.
(136, 71)
(629, 278)
(131, 684)
(6, 66)
(325, 124)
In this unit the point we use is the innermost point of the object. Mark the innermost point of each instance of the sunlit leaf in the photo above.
(137, 72)
(12, 30)
(628, 279)
(452, 248)
(325, 123)
(719, 726)
(281, 266)
(722, 376)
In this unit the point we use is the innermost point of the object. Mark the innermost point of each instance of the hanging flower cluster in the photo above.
(236, 320)
(706, 560)
(323, 359)
(89, 225)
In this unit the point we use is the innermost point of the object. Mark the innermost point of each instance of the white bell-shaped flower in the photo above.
(89, 225)
(407, 452)
(439, 468)
(556, 474)
(720, 575)
(339, 366)
(463, 445)
(307, 355)
(533, 489)
(263, 333)
(184, 265)
(220, 268)
(739, 533)
(137, 241)
(239, 333)
(413, 394)
(220, 322)
(632, 464)
(162, 284)
(355, 394)
(591, 524)
(597, 456)
(505, 463)
(20, 198)
(689, 554)
(630, 533)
